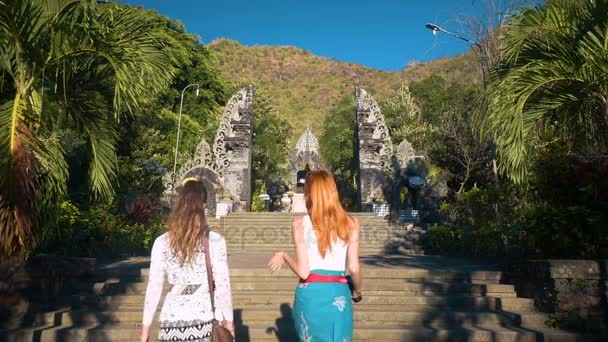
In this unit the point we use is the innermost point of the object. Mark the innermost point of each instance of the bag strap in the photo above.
(209, 272)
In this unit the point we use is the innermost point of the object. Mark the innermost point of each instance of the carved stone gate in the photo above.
(374, 154)
(226, 169)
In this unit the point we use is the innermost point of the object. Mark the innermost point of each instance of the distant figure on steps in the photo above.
(325, 239)
(179, 254)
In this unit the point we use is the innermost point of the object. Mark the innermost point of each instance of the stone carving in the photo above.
(203, 159)
(405, 154)
(306, 152)
(374, 140)
(235, 126)
(227, 167)
(375, 152)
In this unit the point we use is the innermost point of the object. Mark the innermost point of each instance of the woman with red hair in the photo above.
(327, 239)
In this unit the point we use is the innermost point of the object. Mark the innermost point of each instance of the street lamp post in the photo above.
(482, 61)
(179, 126)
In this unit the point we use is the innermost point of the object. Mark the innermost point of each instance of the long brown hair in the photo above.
(330, 220)
(186, 223)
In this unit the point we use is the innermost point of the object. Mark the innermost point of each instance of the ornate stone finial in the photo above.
(236, 114)
(405, 154)
(306, 152)
(307, 142)
(203, 158)
(374, 139)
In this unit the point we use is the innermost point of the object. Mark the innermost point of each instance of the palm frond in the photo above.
(553, 69)
(121, 37)
(17, 184)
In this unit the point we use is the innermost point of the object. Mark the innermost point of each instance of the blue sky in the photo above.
(384, 34)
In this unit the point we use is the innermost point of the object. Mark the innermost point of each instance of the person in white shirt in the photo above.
(179, 255)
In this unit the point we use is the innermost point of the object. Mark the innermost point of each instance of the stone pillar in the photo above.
(373, 153)
(234, 149)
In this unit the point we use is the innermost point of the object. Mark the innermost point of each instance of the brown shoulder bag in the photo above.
(218, 332)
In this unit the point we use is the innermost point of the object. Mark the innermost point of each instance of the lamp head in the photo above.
(197, 90)
(432, 27)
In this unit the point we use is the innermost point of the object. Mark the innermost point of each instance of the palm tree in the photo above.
(552, 71)
(77, 65)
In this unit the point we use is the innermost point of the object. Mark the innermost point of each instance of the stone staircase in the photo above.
(271, 232)
(406, 298)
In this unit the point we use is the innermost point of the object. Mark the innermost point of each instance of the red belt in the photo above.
(324, 278)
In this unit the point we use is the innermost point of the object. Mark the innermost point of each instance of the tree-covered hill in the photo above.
(305, 86)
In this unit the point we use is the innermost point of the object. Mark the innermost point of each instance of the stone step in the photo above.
(285, 230)
(363, 250)
(363, 317)
(134, 296)
(375, 241)
(133, 292)
(291, 217)
(285, 224)
(264, 332)
(277, 214)
(370, 273)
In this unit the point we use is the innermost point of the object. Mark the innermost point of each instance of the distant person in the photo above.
(179, 254)
(325, 239)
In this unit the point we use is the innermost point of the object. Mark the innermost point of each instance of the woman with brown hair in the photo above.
(327, 239)
(179, 254)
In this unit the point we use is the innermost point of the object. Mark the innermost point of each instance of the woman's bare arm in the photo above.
(299, 265)
(353, 257)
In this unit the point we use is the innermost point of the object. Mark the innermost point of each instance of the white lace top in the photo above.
(334, 260)
(189, 298)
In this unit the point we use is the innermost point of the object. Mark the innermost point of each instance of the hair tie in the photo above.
(189, 179)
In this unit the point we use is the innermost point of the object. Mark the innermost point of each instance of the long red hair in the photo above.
(330, 220)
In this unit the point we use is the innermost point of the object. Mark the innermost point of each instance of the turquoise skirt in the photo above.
(323, 312)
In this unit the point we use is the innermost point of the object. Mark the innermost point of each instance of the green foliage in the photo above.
(272, 131)
(68, 65)
(551, 75)
(97, 232)
(570, 232)
(404, 120)
(484, 208)
(580, 180)
(496, 241)
(257, 204)
(154, 137)
(151, 135)
(433, 115)
(337, 144)
(495, 223)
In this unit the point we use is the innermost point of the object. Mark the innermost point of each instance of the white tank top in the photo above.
(334, 260)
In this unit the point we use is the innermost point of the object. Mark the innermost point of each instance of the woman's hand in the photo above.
(230, 326)
(356, 296)
(276, 262)
(145, 334)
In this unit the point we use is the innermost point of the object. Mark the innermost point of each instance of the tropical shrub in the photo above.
(97, 232)
(537, 232)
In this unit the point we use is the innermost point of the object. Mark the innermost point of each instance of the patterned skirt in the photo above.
(197, 331)
(323, 311)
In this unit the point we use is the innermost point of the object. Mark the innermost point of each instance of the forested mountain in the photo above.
(304, 86)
